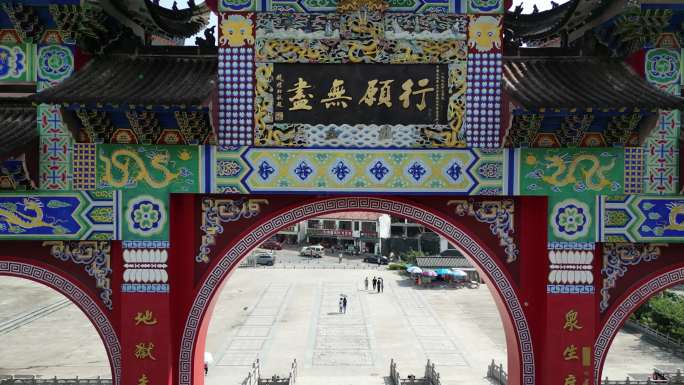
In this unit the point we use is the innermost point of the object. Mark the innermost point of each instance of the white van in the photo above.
(315, 251)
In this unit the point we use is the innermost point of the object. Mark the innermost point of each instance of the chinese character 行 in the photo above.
(336, 96)
(570, 353)
(372, 90)
(300, 99)
(143, 380)
(143, 351)
(571, 322)
(146, 318)
(570, 380)
(405, 97)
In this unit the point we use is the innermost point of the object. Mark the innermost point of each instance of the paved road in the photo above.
(290, 258)
(280, 314)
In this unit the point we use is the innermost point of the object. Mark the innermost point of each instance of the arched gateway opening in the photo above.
(480, 254)
(72, 290)
(619, 313)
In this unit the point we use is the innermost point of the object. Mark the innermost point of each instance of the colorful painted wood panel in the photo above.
(55, 149)
(661, 148)
(144, 176)
(456, 171)
(58, 215)
(55, 63)
(17, 63)
(312, 6)
(642, 219)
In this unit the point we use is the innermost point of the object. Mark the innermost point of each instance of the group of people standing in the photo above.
(343, 304)
(378, 284)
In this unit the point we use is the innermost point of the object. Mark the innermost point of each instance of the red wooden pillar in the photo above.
(145, 316)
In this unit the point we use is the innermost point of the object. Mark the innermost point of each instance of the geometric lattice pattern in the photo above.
(55, 149)
(84, 166)
(634, 170)
(662, 68)
(236, 81)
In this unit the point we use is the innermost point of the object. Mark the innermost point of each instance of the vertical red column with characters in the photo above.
(236, 79)
(571, 313)
(145, 313)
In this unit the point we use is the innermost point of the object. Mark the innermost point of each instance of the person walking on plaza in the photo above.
(379, 283)
(341, 304)
(365, 282)
(375, 281)
(344, 304)
(382, 285)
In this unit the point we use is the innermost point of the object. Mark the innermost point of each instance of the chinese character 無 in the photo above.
(336, 96)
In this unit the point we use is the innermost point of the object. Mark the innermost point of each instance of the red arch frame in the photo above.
(626, 305)
(511, 312)
(74, 291)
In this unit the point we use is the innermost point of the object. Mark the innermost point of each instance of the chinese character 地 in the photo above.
(143, 350)
(571, 321)
(407, 86)
(146, 318)
(337, 96)
(300, 99)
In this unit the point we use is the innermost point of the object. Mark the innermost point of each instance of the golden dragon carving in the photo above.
(158, 162)
(595, 171)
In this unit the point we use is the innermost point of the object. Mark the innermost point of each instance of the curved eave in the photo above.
(181, 23)
(18, 117)
(541, 24)
(586, 83)
(145, 80)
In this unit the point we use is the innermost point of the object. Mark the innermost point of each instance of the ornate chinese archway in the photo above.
(71, 289)
(494, 216)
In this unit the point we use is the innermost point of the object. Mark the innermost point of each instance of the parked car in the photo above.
(272, 245)
(315, 251)
(375, 259)
(264, 259)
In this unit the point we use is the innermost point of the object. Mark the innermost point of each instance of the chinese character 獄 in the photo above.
(143, 351)
(300, 99)
(372, 90)
(570, 353)
(571, 322)
(405, 97)
(336, 96)
(146, 318)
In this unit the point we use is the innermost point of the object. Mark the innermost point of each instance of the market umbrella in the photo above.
(429, 273)
(414, 270)
(443, 271)
(458, 273)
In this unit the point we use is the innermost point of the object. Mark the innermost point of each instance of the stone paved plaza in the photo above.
(282, 314)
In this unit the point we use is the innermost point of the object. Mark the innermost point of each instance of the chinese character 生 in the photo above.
(570, 353)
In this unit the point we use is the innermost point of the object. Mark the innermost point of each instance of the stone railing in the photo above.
(254, 376)
(497, 373)
(431, 376)
(31, 380)
(663, 339)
